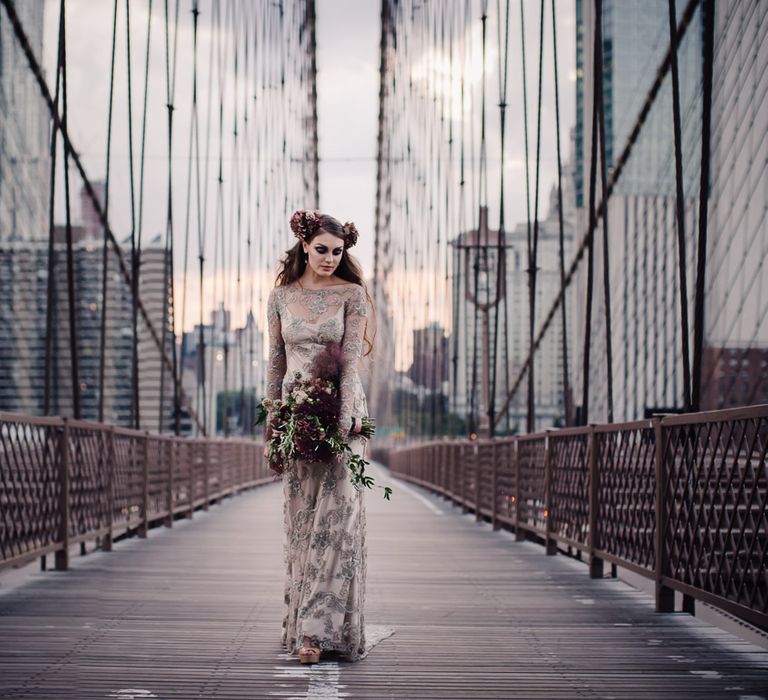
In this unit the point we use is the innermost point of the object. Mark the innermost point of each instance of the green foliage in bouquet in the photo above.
(304, 425)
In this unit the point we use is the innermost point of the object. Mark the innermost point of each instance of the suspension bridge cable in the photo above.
(51, 296)
(169, 315)
(69, 149)
(105, 245)
(71, 286)
(599, 82)
(501, 242)
(475, 301)
(135, 416)
(566, 386)
(502, 220)
(618, 169)
(680, 208)
(596, 70)
(533, 257)
(708, 8)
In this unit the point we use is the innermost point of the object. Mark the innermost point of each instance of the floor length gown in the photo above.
(324, 513)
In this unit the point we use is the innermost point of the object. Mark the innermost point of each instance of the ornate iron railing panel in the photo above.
(715, 534)
(569, 490)
(64, 481)
(626, 493)
(531, 493)
(679, 499)
(29, 486)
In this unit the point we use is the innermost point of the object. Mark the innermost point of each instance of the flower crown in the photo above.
(305, 222)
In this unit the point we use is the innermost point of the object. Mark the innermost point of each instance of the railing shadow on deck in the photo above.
(680, 500)
(65, 481)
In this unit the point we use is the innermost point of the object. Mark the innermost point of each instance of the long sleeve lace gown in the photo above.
(324, 514)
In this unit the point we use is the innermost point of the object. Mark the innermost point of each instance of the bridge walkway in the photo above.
(194, 611)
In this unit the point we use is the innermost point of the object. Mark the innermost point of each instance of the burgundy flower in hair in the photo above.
(305, 222)
(351, 234)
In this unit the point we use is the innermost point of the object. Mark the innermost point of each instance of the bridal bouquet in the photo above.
(304, 425)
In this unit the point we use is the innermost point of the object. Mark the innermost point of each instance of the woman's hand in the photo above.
(357, 425)
(266, 451)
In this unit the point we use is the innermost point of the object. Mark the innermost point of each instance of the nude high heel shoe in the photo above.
(309, 655)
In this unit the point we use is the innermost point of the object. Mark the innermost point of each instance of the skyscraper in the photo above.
(24, 124)
(643, 249)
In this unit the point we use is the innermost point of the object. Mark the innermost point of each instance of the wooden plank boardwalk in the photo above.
(194, 612)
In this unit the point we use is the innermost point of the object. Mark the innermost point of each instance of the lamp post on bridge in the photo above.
(482, 265)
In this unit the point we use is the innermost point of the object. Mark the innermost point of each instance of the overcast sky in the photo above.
(348, 105)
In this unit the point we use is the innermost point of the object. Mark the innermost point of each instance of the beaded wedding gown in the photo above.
(324, 514)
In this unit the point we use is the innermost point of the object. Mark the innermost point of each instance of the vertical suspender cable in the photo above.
(599, 84)
(51, 296)
(135, 416)
(475, 313)
(501, 247)
(483, 252)
(169, 314)
(596, 68)
(680, 207)
(105, 247)
(533, 248)
(708, 8)
(528, 218)
(140, 218)
(71, 286)
(566, 386)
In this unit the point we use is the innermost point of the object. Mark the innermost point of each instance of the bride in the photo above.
(320, 297)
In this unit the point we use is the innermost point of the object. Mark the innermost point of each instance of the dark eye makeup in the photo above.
(322, 249)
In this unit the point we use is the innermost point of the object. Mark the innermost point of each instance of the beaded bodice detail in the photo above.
(301, 321)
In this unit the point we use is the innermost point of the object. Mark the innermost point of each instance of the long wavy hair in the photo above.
(293, 265)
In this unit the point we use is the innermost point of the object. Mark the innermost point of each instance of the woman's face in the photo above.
(324, 253)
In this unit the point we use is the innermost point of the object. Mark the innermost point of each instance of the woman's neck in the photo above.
(311, 280)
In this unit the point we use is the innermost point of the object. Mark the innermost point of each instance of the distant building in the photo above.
(646, 332)
(429, 367)
(24, 132)
(735, 377)
(23, 312)
(234, 365)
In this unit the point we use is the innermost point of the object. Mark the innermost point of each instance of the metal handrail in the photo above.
(679, 499)
(66, 481)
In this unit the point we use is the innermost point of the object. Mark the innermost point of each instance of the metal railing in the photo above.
(681, 500)
(65, 481)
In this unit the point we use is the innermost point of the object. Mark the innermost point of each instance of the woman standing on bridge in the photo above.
(320, 298)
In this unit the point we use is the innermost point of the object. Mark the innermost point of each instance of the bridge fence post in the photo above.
(144, 527)
(449, 449)
(595, 563)
(433, 452)
(455, 452)
(478, 517)
(206, 485)
(549, 543)
(463, 475)
(106, 542)
(665, 596)
(494, 479)
(441, 469)
(61, 558)
(192, 451)
(519, 534)
(222, 472)
(169, 492)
